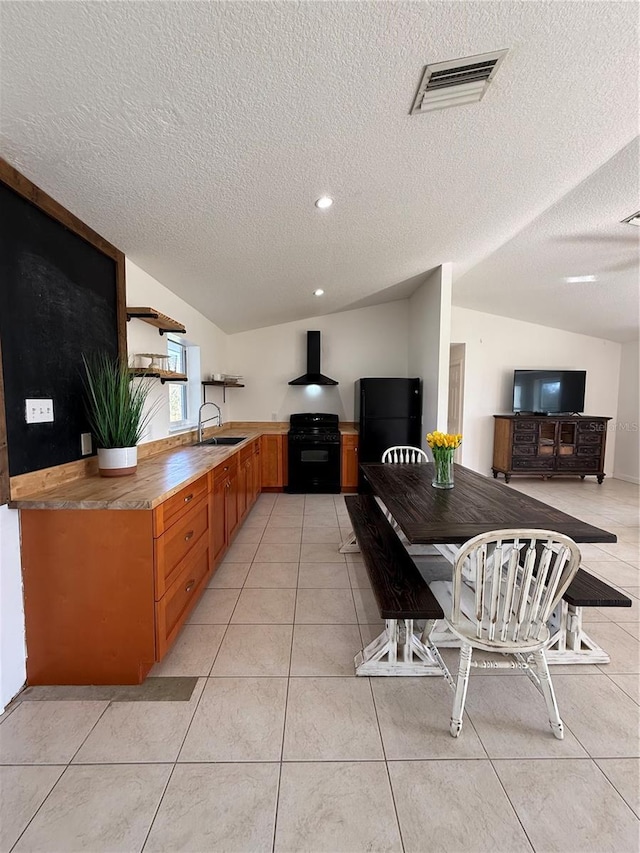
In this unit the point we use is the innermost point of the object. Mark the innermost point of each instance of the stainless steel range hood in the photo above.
(313, 375)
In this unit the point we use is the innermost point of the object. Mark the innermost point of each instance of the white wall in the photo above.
(12, 649)
(143, 289)
(496, 346)
(627, 465)
(429, 337)
(364, 342)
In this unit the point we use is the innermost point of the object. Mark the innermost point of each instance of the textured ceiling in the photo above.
(580, 235)
(196, 136)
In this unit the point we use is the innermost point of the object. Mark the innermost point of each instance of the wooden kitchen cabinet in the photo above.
(106, 591)
(272, 464)
(349, 480)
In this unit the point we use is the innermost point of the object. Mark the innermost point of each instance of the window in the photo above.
(178, 408)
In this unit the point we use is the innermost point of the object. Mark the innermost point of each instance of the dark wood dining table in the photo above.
(446, 518)
(476, 504)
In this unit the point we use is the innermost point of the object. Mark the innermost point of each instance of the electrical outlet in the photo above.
(38, 411)
(86, 446)
(274, 416)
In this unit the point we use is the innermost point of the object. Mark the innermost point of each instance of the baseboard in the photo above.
(627, 478)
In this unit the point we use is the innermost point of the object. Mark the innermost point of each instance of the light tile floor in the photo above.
(281, 748)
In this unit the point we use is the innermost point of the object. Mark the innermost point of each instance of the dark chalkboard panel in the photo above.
(59, 298)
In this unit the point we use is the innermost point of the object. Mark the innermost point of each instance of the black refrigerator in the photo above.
(389, 412)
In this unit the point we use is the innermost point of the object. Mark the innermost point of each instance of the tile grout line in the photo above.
(66, 767)
(386, 764)
(284, 720)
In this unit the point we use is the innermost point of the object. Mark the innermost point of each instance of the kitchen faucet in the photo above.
(201, 422)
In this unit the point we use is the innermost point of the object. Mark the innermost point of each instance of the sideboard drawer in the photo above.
(524, 438)
(173, 546)
(524, 426)
(533, 463)
(174, 607)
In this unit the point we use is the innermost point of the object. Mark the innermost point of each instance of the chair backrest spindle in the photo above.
(403, 454)
(519, 576)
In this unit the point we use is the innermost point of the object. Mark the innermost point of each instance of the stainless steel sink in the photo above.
(225, 439)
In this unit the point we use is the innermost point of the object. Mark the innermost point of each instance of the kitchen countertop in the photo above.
(157, 478)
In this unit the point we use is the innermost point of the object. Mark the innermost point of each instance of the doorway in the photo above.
(456, 392)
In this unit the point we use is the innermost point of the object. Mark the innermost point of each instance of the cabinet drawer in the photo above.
(524, 437)
(524, 426)
(173, 546)
(585, 463)
(175, 507)
(174, 607)
(524, 450)
(594, 438)
(533, 463)
(229, 468)
(589, 450)
(596, 427)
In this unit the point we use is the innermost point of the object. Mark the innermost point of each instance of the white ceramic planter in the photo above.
(117, 461)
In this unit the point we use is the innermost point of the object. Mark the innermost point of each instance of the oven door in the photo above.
(314, 466)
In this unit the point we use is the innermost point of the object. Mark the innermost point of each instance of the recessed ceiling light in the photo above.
(324, 202)
(576, 279)
(318, 292)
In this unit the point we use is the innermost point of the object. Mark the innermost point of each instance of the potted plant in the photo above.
(115, 407)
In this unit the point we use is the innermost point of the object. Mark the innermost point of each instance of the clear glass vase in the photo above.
(443, 467)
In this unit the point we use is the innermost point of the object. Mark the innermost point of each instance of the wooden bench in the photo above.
(402, 596)
(571, 644)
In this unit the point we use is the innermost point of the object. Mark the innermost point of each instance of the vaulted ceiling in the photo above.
(197, 136)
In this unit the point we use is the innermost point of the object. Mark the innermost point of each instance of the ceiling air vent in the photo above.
(634, 219)
(456, 82)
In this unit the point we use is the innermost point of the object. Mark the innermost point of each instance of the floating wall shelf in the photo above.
(162, 375)
(157, 319)
(220, 384)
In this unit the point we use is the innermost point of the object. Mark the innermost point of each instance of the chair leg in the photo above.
(461, 689)
(546, 688)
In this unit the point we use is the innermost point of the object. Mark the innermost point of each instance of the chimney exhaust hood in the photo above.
(313, 375)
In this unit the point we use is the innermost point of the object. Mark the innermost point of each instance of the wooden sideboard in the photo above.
(550, 446)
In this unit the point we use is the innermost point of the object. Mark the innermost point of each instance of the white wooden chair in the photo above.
(397, 454)
(506, 584)
(404, 454)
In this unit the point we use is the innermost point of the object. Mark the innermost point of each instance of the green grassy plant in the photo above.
(115, 403)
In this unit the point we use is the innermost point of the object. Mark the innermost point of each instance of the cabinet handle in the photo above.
(190, 586)
(188, 498)
(188, 536)
(226, 468)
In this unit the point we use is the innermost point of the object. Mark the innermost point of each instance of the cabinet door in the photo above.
(218, 521)
(242, 490)
(349, 461)
(257, 471)
(231, 506)
(272, 461)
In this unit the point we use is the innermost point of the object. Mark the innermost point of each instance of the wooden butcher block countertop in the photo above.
(157, 478)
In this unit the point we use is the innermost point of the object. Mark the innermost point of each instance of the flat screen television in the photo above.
(549, 392)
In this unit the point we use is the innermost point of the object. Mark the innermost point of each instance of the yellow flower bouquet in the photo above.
(443, 445)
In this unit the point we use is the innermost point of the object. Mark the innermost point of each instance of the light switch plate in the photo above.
(85, 443)
(38, 411)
